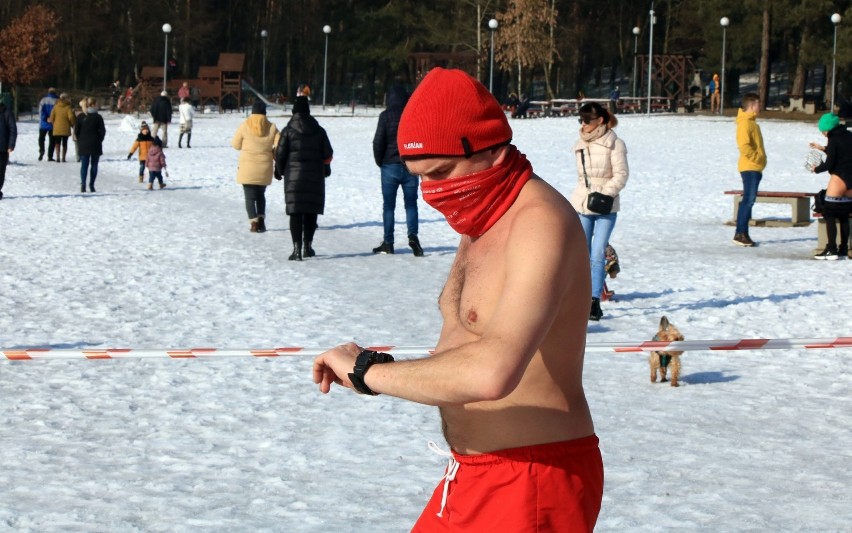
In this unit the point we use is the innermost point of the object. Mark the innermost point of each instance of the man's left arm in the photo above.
(490, 367)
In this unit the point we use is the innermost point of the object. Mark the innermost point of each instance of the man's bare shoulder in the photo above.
(540, 200)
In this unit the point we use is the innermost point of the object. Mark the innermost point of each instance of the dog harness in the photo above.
(665, 358)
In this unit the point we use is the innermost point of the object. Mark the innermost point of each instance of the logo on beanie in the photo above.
(413, 146)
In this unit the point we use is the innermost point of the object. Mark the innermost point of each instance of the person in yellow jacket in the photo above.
(63, 119)
(143, 144)
(751, 163)
(256, 139)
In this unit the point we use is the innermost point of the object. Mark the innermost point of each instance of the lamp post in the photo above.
(835, 19)
(636, 31)
(326, 30)
(263, 35)
(650, 57)
(492, 24)
(167, 29)
(724, 21)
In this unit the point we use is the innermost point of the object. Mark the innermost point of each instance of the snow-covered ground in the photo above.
(752, 441)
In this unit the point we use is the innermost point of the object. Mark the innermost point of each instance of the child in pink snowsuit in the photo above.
(156, 163)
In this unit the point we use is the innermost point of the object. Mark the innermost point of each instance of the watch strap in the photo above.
(363, 362)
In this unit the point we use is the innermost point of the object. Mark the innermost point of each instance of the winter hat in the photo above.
(451, 114)
(259, 108)
(144, 126)
(164, 93)
(301, 105)
(828, 122)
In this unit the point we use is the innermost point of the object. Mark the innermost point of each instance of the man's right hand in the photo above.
(334, 366)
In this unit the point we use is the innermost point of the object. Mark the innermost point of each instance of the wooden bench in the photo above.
(800, 203)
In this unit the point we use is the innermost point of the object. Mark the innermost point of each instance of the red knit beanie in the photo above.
(451, 114)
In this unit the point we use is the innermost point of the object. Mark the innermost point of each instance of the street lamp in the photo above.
(835, 19)
(724, 21)
(326, 30)
(263, 35)
(636, 31)
(492, 24)
(650, 57)
(167, 29)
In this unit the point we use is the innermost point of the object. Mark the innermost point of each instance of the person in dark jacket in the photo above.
(90, 138)
(161, 112)
(303, 159)
(838, 192)
(394, 174)
(45, 128)
(8, 138)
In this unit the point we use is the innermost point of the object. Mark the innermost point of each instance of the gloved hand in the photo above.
(129, 156)
(277, 175)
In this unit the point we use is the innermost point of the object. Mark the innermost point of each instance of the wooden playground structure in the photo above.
(219, 85)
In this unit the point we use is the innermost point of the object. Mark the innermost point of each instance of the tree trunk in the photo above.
(763, 83)
(797, 88)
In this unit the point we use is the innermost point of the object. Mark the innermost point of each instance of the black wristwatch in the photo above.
(365, 360)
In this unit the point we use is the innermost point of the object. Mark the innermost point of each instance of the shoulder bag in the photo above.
(596, 202)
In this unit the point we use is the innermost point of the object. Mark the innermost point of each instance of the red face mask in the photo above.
(474, 203)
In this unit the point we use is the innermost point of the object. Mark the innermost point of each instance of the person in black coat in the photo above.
(394, 174)
(90, 138)
(8, 138)
(303, 159)
(161, 113)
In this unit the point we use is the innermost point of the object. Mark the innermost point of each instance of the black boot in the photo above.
(414, 244)
(92, 186)
(595, 314)
(180, 140)
(261, 224)
(309, 252)
(297, 252)
(188, 139)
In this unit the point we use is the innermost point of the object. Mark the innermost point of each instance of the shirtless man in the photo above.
(507, 370)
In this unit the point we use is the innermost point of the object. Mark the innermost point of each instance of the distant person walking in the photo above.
(394, 174)
(750, 165)
(63, 119)
(8, 138)
(601, 159)
(90, 139)
(255, 138)
(79, 116)
(186, 113)
(184, 91)
(715, 95)
(45, 128)
(144, 141)
(303, 158)
(156, 163)
(161, 113)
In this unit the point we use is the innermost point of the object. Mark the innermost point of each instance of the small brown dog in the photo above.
(662, 361)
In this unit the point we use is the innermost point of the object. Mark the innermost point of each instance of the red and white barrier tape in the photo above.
(594, 347)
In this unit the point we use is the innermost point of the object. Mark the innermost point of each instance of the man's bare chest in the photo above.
(473, 288)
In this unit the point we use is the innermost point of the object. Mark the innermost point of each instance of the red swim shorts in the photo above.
(554, 487)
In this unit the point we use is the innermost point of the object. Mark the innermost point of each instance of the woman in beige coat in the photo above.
(255, 139)
(63, 119)
(601, 167)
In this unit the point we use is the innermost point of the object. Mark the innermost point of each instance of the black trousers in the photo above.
(303, 226)
(4, 160)
(835, 212)
(50, 142)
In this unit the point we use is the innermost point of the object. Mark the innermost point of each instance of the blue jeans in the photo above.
(751, 179)
(394, 175)
(598, 228)
(85, 162)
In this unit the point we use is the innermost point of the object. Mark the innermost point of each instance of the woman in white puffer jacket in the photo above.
(601, 167)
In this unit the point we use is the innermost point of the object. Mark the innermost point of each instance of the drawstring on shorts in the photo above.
(452, 468)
